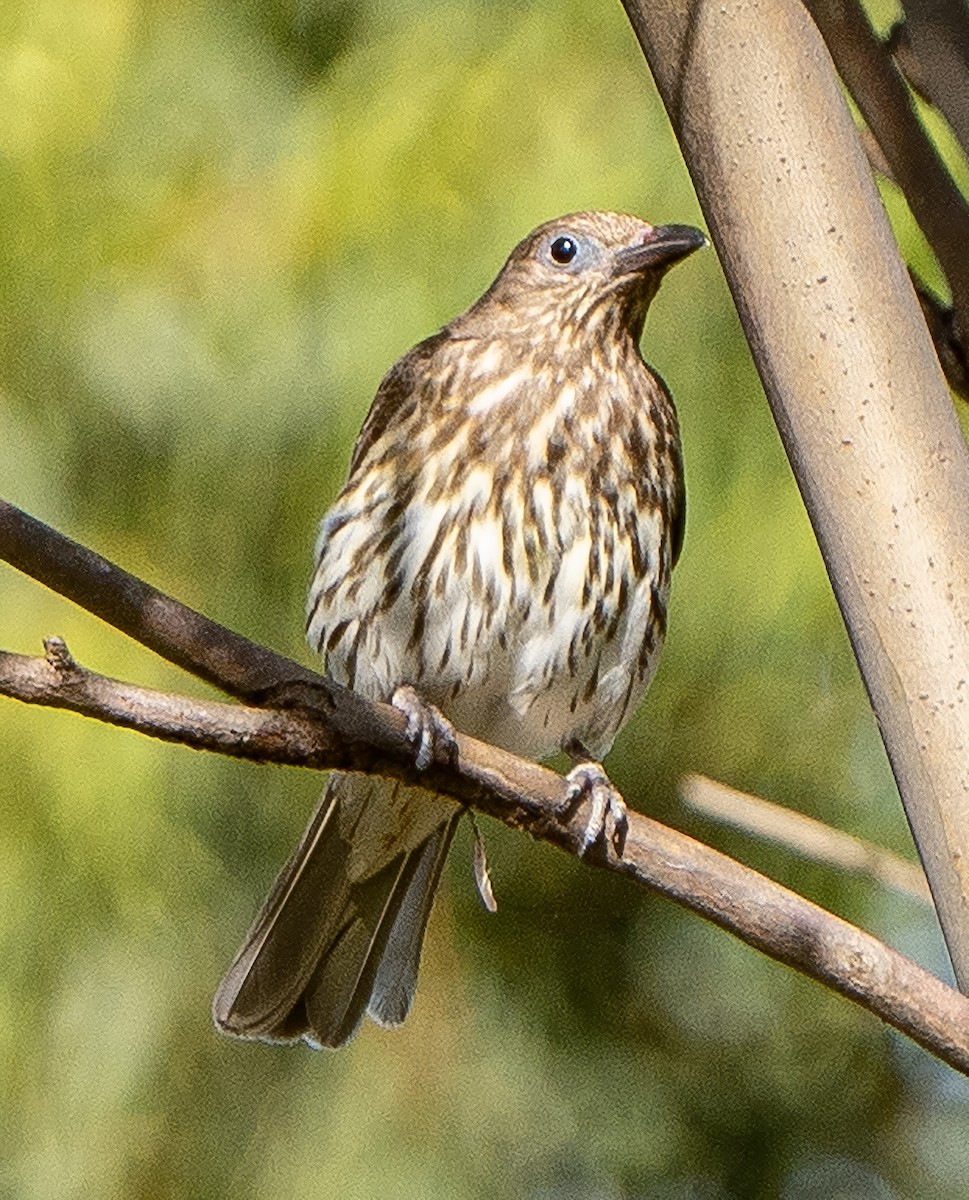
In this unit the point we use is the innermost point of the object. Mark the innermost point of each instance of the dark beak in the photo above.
(666, 245)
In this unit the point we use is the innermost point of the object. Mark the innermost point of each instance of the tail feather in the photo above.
(396, 979)
(358, 890)
(336, 998)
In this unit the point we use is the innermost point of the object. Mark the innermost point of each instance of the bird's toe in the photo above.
(608, 817)
(430, 733)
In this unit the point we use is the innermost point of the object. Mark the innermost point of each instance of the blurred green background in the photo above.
(220, 222)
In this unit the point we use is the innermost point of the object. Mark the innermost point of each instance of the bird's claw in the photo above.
(430, 733)
(608, 816)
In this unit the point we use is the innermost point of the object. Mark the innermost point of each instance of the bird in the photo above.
(499, 562)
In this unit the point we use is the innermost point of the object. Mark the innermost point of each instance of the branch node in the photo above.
(59, 657)
(302, 694)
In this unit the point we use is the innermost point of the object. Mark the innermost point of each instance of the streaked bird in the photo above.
(499, 559)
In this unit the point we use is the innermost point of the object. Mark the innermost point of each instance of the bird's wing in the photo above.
(407, 384)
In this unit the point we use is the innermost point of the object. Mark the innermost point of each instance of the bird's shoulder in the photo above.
(409, 382)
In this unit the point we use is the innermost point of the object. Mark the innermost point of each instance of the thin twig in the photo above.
(316, 723)
(875, 155)
(803, 835)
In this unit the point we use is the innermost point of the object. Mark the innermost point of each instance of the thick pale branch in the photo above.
(526, 796)
(851, 375)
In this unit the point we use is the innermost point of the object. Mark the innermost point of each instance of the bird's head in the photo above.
(587, 268)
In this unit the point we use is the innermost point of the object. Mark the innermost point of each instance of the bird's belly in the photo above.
(526, 651)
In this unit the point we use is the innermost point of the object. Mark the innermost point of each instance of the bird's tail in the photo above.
(340, 934)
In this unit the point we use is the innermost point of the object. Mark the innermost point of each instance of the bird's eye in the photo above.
(563, 250)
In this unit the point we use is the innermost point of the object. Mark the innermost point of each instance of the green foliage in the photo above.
(221, 222)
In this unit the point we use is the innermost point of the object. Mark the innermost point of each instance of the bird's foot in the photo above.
(430, 733)
(608, 816)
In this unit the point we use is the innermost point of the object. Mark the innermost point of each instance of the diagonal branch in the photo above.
(866, 66)
(951, 347)
(174, 631)
(315, 723)
(931, 46)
